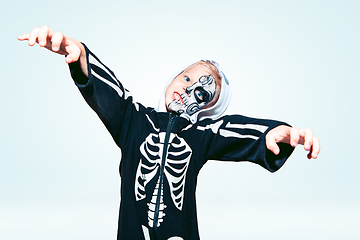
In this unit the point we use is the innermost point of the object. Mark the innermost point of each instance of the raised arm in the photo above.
(99, 86)
(58, 43)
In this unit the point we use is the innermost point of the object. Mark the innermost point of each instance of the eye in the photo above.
(187, 79)
(199, 95)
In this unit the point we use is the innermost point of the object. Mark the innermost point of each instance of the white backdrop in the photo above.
(295, 61)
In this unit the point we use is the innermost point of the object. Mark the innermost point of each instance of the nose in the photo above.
(187, 90)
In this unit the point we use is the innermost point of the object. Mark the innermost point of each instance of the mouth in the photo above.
(177, 96)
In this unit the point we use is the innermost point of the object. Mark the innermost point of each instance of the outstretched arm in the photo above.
(58, 43)
(293, 136)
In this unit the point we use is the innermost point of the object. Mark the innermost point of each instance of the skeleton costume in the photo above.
(162, 153)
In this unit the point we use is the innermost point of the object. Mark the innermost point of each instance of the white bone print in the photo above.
(147, 235)
(152, 205)
(176, 166)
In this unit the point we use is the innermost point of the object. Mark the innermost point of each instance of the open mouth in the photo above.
(178, 97)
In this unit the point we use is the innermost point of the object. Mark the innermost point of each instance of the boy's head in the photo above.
(196, 87)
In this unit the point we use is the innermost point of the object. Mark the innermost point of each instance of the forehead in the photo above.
(199, 69)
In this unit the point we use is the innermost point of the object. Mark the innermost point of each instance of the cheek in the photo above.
(168, 95)
(167, 99)
(170, 89)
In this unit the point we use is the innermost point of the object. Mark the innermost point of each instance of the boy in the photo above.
(163, 151)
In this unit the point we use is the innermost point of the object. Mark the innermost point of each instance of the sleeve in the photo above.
(106, 96)
(240, 138)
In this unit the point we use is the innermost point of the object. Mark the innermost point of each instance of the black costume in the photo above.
(163, 153)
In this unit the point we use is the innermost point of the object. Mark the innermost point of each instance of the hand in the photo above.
(55, 42)
(294, 137)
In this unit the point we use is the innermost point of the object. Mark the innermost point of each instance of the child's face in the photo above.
(191, 90)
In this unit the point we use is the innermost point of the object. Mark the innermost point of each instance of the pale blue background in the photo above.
(296, 61)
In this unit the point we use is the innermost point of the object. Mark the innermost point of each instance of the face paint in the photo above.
(195, 97)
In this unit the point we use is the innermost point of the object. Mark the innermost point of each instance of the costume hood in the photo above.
(213, 112)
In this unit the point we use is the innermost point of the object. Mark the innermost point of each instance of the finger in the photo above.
(272, 145)
(23, 37)
(73, 54)
(57, 40)
(294, 137)
(308, 139)
(43, 35)
(33, 36)
(315, 150)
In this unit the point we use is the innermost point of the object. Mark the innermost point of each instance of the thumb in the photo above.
(271, 144)
(74, 54)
